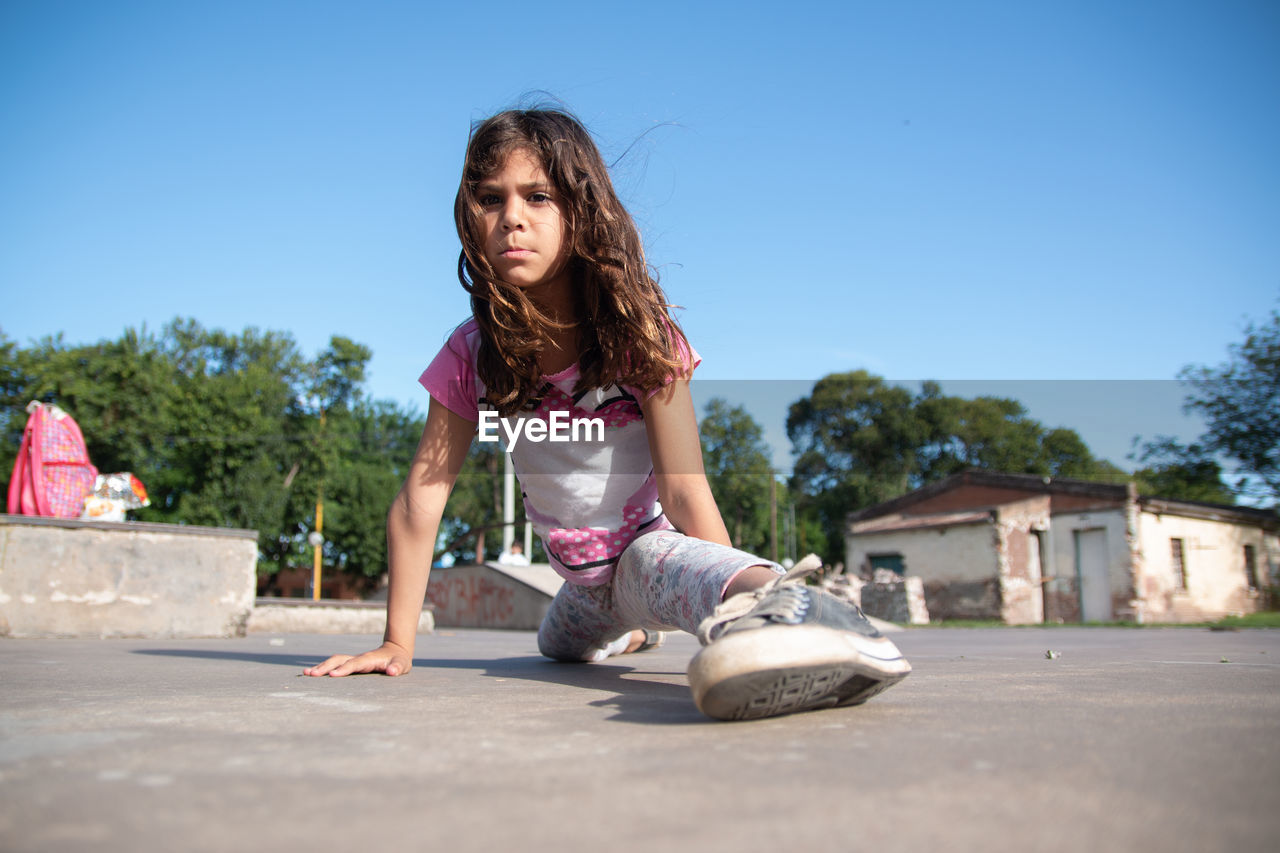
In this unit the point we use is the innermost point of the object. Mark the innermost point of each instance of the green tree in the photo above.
(856, 441)
(1181, 472)
(737, 462)
(235, 421)
(374, 444)
(985, 432)
(12, 417)
(331, 464)
(860, 441)
(997, 434)
(1063, 453)
(1240, 402)
(473, 516)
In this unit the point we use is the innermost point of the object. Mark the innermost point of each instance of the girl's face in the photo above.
(523, 231)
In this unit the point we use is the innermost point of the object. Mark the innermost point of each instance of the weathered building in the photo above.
(1026, 549)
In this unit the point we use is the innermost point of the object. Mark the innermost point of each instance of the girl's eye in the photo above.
(488, 200)
(540, 198)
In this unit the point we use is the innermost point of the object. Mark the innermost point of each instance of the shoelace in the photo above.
(790, 605)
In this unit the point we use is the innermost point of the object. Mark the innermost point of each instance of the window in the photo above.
(892, 562)
(1178, 564)
(1251, 567)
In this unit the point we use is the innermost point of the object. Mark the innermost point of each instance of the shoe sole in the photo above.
(769, 672)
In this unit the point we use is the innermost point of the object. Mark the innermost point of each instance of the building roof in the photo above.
(895, 522)
(1213, 512)
(1032, 484)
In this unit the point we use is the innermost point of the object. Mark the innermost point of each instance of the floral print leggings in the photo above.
(664, 581)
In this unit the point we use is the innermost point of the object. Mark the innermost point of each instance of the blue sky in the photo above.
(1044, 196)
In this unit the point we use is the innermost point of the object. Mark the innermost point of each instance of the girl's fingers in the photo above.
(340, 665)
(351, 665)
(328, 666)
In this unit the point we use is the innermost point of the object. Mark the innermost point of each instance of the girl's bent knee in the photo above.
(554, 651)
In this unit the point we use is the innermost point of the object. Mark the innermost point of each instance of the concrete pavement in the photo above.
(1151, 739)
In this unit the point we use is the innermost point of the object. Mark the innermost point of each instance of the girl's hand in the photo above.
(388, 658)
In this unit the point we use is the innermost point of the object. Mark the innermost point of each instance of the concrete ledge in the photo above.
(130, 526)
(492, 595)
(307, 616)
(71, 578)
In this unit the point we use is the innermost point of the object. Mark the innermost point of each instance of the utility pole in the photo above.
(773, 515)
(317, 540)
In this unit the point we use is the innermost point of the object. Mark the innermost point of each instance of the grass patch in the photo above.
(1265, 619)
(977, 623)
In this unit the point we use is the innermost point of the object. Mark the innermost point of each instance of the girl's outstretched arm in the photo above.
(412, 524)
(677, 463)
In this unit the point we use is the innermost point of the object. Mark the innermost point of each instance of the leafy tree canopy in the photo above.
(1181, 472)
(860, 441)
(1240, 402)
(739, 471)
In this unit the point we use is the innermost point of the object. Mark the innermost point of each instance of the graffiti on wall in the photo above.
(471, 600)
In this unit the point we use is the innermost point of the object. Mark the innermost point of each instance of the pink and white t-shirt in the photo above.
(587, 496)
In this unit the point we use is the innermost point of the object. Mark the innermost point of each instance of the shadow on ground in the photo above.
(643, 695)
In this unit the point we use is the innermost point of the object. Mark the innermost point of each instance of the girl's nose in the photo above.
(512, 218)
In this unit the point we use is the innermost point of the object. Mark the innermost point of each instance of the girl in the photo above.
(568, 324)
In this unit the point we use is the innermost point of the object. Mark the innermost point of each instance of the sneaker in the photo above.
(788, 647)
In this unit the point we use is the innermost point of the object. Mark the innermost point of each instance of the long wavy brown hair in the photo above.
(626, 333)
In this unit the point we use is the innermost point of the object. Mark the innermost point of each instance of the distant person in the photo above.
(514, 556)
(567, 322)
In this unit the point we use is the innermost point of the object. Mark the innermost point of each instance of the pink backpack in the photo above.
(52, 474)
